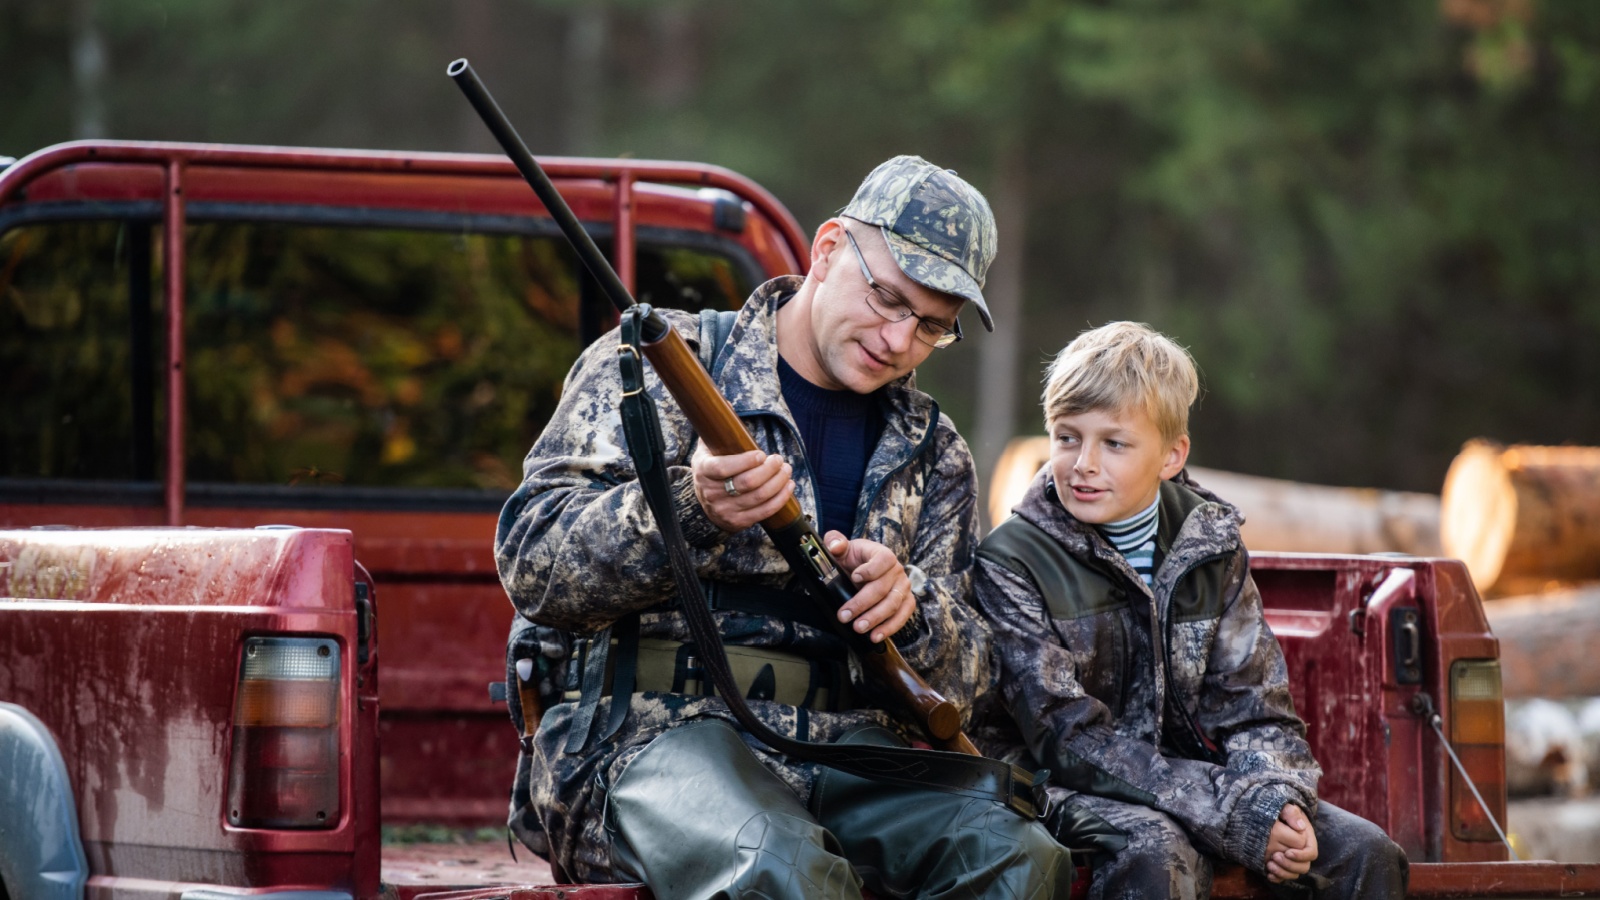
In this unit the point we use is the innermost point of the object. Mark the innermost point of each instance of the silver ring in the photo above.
(727, 485)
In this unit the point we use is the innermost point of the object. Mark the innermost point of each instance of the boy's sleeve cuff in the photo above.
(698, 529)
(1250, 824)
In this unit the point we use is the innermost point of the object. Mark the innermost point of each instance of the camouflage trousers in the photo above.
(1355, 859)
(696, 816)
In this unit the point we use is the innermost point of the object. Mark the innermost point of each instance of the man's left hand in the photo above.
(883, 602)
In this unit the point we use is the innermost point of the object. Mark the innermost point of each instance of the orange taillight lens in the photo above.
(285, 766)
(1478, 734)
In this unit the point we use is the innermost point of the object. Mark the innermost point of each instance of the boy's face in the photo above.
(1108, 465)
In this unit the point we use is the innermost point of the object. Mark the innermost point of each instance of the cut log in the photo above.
(1524, 519)
(1279, 514)
(1547, 643)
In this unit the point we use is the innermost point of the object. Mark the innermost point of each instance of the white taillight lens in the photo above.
(1478, 734)
(285, 765)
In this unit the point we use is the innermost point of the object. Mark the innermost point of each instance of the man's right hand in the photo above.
(760, 484)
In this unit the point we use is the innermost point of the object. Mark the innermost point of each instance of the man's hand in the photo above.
(740, 490)
(883, 600)
(1291, 847)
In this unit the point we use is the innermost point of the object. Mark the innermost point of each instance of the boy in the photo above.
(1136, 664)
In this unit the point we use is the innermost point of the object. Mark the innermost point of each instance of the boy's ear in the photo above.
(1177, 457)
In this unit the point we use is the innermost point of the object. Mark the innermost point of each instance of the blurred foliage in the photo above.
(316, 356)
(64, 324)
(353, 356)
(1370, 221)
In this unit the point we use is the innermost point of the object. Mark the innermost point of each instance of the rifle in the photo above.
(723, 434)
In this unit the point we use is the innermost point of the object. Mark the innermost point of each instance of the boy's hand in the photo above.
(760, 484)
(1291, 847)
(883, 600)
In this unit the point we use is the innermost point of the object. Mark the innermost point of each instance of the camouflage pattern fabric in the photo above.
(577, 549)
(1084, 691)
(1355, 859)
(939, 228)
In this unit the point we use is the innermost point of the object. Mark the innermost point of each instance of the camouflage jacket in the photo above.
(1176, 698)
(577, 549)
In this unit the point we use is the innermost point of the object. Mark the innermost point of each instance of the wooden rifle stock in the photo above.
(724, 434)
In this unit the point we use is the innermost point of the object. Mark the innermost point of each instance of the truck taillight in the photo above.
(285, 766)
(1478, 733)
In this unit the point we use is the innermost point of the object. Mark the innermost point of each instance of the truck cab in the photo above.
(220, 336)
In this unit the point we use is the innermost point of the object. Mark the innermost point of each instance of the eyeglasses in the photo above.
(932, 332)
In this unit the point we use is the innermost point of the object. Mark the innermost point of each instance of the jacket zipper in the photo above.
(1207, 749)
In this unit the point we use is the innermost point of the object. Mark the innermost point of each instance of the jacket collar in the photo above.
(1194, 524)
(747, 374)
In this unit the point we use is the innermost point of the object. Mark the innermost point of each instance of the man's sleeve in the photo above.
(945, 641)
(1244, 706)
(576, 545)
(1070, 732)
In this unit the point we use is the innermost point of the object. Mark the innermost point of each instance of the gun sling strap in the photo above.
(956, 773)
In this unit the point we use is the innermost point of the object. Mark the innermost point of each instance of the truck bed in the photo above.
(486, 871)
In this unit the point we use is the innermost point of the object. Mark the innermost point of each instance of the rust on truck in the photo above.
(126, 644)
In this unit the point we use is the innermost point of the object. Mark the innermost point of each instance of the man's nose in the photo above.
(901, 334)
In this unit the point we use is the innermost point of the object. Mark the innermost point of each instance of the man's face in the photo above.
(855, 347)
(1109, 465)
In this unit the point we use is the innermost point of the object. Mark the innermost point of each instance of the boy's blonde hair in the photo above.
(1120, 366)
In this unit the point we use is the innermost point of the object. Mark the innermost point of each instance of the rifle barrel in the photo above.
(466, 78)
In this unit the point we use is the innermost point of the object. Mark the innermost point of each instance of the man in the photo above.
(820, 370)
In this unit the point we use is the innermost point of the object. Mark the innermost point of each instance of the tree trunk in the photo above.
(88, 73)
(998, 352)
(585, 77)
(1524, 519)
(1279, 515)
(1547, 643)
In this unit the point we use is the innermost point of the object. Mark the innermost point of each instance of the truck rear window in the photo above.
(316, 355)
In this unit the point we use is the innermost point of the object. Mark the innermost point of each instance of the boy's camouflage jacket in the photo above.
(1176, 698)
(577, 549)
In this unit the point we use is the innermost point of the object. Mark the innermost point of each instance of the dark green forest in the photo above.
(1373, 223)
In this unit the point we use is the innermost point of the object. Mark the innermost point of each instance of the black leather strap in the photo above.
(956, 773)
(794, 606)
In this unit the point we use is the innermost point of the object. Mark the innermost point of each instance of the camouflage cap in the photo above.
(939, 228)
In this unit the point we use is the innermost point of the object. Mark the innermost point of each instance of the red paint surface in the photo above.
(448, 182)
(126, 644)
(1380, 759)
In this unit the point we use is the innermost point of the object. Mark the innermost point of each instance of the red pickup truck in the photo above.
(262, 408)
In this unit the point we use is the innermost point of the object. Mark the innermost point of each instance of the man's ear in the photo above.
(1177, 457)
(823, 245)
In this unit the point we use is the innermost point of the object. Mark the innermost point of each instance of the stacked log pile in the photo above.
(1279, 515)
(1524, 519)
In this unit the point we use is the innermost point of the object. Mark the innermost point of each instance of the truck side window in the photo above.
(80, 381)
(316, 356)
(323, 356)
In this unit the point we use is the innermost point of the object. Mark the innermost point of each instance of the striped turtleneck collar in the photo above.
(1135, 538)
